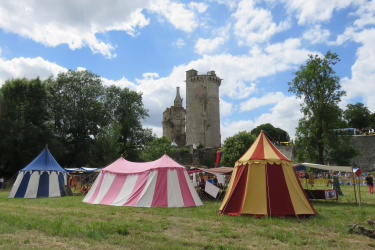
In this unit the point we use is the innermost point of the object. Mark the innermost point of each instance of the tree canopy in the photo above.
(157, 148)
(275, 134)
(319, 87)
(357, 115)
(235, 146)
(83, 121)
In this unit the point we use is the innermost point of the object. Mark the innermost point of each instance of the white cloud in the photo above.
(226, 108)
(254, 24)
(231, 4)
(65, 22)
(284, 115)
(81, 69)
(313, 11)
(27, 67)
(254, 102)
(179, 43)
(363, 70)
(207, 46)
(176, 14)
(316, 35)
(366, 14)
(200, 7)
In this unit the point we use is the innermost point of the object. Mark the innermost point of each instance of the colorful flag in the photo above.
(357, 171)
(218, 157)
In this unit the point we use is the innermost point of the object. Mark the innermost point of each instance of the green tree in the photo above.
(357, 115)
(274, 134)
(317, 84)
(106, 147)
(157, 148)
(24, 123)
(125, 107)
(78, 114)
(236, 146)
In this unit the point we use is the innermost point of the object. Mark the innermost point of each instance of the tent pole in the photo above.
(355, 183)
(359, 187)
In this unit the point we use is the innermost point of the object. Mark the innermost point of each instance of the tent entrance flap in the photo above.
(236, 198)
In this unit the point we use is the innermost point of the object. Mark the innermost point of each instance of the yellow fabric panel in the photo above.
(250, 151)
(255, 201)
(300, 203)
(229, 188)
(269, 154)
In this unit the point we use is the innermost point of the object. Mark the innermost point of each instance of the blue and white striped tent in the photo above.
(43, 177)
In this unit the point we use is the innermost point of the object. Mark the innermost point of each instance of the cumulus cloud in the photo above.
(313, 11)
(27, 67)
(316, 35)
(65, 22)
(208, 46)
(285, 115)
(176, 13)
(254, 24)
(363, 70)
(254, 102)
(226, 108)
(200, 7)
(179, 43)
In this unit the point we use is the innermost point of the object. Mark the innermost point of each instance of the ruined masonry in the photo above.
(202, 112)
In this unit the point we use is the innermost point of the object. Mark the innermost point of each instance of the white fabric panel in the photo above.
(211, 189)
(16, 185)
(106, 184)
(174, 191)
(54, 190)
(65, 178)
(32, 188)
(92, 189)
(126, 190)
(196, 198)
(221, 178)
(147, 195)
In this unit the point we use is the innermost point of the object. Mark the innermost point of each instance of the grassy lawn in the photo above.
(67, 223)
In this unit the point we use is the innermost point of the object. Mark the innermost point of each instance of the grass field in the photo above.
(67, 223)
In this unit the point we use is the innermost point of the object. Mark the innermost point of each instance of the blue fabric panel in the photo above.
(61, 183)
(300, 168)
(21, 191)
(43, 188)
(44, 161)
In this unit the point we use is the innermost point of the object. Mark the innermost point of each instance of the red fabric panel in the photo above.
(138, 189)
(185, 191)
(280, 155)
(161, 190)
(259, 151)
(217, 158)
(114, 190)
(300, 186)
(235, 200)
(278, 198)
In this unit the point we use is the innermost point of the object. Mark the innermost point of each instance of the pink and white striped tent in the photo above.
(160, 183)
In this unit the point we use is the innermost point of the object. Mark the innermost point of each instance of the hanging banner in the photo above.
(218, 157)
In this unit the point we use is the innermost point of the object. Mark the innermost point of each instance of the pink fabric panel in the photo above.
(161, 190)
(93, 197)
(123, 166)
(185, 191)
(114, 190)
(137, 191)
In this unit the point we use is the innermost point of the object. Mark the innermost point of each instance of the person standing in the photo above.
(370, 183)
(1, 182)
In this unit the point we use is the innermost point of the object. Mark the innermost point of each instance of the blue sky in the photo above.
(147, 45)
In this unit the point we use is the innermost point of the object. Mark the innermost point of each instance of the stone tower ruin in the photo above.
(174, 121)
(202, 109)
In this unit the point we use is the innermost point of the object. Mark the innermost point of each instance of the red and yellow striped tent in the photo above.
(264, 183)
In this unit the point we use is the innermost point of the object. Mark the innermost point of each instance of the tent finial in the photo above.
(121, 155)
(165, 152)
(47, 145)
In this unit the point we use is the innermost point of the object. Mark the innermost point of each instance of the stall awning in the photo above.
(221, 170)
(325, 167)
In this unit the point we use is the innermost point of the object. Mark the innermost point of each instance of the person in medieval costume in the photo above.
(336, 185)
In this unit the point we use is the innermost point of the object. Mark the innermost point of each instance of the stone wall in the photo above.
(188, 156)
(365, 145)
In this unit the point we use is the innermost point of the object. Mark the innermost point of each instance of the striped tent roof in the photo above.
(262, 150)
